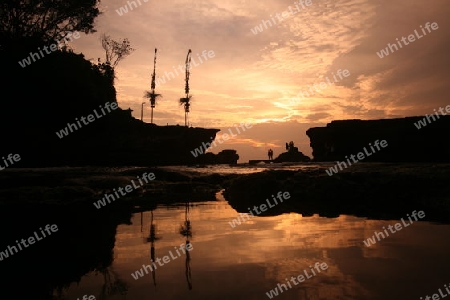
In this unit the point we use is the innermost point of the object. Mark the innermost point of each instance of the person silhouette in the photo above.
(270, 154)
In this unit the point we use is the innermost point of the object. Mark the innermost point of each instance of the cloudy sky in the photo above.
(256, 78)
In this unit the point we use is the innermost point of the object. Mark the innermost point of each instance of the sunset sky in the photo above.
(254, 78)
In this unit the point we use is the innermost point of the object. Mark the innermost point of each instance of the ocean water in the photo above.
(101, 254)
(248, 169)
(251, 259)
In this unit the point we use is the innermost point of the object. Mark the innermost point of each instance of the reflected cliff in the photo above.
(96, 253)
(83, 243)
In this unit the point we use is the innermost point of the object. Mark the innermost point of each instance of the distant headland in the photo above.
(406, 142)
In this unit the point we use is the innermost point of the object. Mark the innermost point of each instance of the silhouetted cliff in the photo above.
(64, 92)
(406, 143)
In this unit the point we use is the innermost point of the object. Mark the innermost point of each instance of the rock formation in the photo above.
(406, 143)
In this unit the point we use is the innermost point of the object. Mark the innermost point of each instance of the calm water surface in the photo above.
(249, 260)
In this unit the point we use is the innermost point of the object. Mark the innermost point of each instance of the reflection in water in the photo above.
(247, 261)
(247, 169)
(186, 231)
(152, 238)
(55, 268)
(111, 287)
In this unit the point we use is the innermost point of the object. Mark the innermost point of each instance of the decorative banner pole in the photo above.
(152, 96)
(186, 101)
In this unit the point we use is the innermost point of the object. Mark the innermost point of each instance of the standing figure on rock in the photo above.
(270, 154)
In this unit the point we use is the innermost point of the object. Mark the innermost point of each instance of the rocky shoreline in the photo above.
(65, 196)
(373, 190)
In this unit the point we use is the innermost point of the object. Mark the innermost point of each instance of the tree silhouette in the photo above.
(115, 50)
(44, 20)
(186, 101)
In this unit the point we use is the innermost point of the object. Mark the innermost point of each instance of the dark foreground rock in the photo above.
(379, 191)
(81, 187)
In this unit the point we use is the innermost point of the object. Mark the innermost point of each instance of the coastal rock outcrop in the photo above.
(227, 156)
(375, 191)
(406, 143)
(65, 113)
(293, 155)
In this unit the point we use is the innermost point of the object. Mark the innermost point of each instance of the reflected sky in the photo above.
(249, 260)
